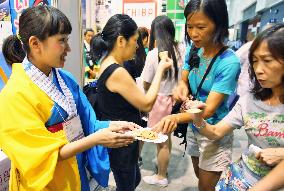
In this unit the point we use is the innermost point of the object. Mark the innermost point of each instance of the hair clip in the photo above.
(19, 37)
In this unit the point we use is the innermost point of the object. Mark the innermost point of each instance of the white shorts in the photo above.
(213, 155)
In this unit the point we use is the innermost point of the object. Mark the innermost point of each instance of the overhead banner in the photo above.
(103, 13)
(17, 7)
(5, 21)
(143, 12)
(5, 70)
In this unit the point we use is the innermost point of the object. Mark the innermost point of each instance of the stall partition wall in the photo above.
(74, 61)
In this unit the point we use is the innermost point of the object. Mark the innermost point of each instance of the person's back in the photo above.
(152, 62)
(244, 81)
(162, 41)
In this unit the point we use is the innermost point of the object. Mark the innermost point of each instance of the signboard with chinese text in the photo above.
(17, 7)
(143, 12)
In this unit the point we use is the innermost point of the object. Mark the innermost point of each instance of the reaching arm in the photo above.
(168, 123)
(213, 132)
(212, 103)
(108, 137)
(146, 86)
(121, 82)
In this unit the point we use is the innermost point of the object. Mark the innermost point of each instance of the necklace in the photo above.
(204, 59)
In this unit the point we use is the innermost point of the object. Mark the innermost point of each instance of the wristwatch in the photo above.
(201, 125)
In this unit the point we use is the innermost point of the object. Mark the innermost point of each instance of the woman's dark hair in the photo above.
(140, 55)
(163, 32)
(143, 32)
(88, 30)
(136, 65)
(117, 25)
(274, 36)
(40, 21)
(216, 10)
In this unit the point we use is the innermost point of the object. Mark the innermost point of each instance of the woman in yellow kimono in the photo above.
(47, 127)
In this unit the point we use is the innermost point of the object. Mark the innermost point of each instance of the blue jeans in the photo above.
(127, 180)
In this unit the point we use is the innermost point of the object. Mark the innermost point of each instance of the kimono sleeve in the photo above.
(96, 159)
(24, 138)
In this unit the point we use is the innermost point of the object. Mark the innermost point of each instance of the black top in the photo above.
(132, 69)
(112, 106)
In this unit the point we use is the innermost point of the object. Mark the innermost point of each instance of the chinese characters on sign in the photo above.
(17, 7)
(142, 12)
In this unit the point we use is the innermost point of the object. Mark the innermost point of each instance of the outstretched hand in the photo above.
(180, 92)
(196, 108)
(123, 126)
(167, 125)
(166, 63)
(114, 136)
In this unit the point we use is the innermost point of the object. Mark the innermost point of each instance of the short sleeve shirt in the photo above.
(222, 78)
(264, 125)
(150, 68)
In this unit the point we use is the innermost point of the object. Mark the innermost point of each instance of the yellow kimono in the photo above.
(33, 150)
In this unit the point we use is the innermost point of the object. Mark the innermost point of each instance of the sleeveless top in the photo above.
(112, 106)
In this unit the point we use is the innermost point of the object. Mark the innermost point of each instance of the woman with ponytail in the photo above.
(48, 129)
(116, 44)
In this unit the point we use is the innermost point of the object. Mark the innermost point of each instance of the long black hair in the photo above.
(163, 32)
(136, 65)
(117, 25)
(216, 10)
(274, 36)
(143, 32)
(40, 21)
(140, 56)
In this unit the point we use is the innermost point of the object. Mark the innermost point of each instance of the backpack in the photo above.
(90, 90)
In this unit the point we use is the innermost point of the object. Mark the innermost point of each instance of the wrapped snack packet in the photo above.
(254, 149)
(192, 107)
(163, 55)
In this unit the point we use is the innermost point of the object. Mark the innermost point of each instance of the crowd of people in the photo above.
(57, 140)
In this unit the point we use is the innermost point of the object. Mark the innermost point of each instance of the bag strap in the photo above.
(209, 68)
(88, 60)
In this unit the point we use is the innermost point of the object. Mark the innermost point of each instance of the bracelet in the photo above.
(200, 126)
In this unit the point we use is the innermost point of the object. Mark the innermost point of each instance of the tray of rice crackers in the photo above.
(147, 135)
